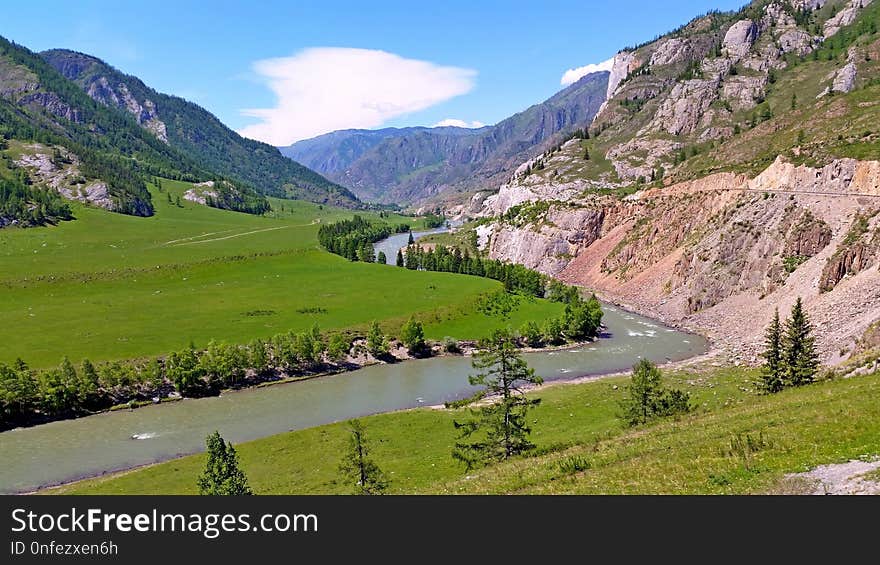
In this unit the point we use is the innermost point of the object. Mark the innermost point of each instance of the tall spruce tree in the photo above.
(358, 467)
(399, 258)
(799, 348)
(772, 371)
(497, 430)
(222, 475)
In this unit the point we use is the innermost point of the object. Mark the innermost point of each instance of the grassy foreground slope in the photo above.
(827, 422)
(108, 286)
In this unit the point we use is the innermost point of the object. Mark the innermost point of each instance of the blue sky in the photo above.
(286, 70)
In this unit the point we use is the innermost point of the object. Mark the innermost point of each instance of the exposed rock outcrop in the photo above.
(739, 39)
(58, 169)
(680, 113)
(719, 253)
(844, 17)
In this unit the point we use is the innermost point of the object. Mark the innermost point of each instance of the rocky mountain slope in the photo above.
(414, 164)
(196, 133)
(734, 167)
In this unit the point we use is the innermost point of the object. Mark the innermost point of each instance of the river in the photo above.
(65, 450)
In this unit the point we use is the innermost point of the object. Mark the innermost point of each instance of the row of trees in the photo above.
(353, 239)
(28, 396)
(30, 206)
(790, 357)
(515, 278)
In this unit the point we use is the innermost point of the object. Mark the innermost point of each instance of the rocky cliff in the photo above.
(734, 167)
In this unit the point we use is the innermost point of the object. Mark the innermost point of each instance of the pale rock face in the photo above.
(716, 68)
(672, 51)
(65, 179)
(844, 79)
(841, 176)
(768, 58)
(844, 17)
(776, 15)
(121, 97)
(484, 231)
(510, 195)
(739, 39)
(549, 247)
(797, 41)
(741, 91)
(199, 196)
(624, 63)
(681, 111)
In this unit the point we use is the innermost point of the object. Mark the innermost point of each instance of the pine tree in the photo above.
(222, 474)
(399, 258)
(358, 467)
(772, 372)
(799, 348)
(381, 259)
(500, 427)
(647, 398)
(411, 239)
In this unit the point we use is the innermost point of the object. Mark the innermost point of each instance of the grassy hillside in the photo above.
(822, 423)
(108, 286)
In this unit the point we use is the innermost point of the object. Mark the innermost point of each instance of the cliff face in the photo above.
(719, 254)
(734, 167)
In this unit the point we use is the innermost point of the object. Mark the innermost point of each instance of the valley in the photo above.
(716, 187)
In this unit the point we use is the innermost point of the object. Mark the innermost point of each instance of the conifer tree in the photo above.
(358, 467)
(499, 429)
(222, 475)
(799, 348)
(381, 258)
(399, 258)
(772, 372)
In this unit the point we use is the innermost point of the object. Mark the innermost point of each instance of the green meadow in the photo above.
(582, 445)
(107, 286)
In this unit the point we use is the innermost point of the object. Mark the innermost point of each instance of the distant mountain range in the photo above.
(409, 165)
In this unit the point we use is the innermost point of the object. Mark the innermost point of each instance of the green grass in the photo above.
(107, 286)
(822, 423)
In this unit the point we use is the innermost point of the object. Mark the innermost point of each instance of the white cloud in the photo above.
(458, 123)
(323, 89)
(571, 76)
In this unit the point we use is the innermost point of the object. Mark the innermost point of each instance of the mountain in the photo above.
(412, 164)
(197, 133)
(734, 168)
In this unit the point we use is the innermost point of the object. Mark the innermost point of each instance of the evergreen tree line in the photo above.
(30, 396)
(354, 238)
(30, 206)
(790, 357)
(515, 278)
(238, 198)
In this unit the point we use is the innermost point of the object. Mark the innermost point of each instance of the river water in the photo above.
(66, 450)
